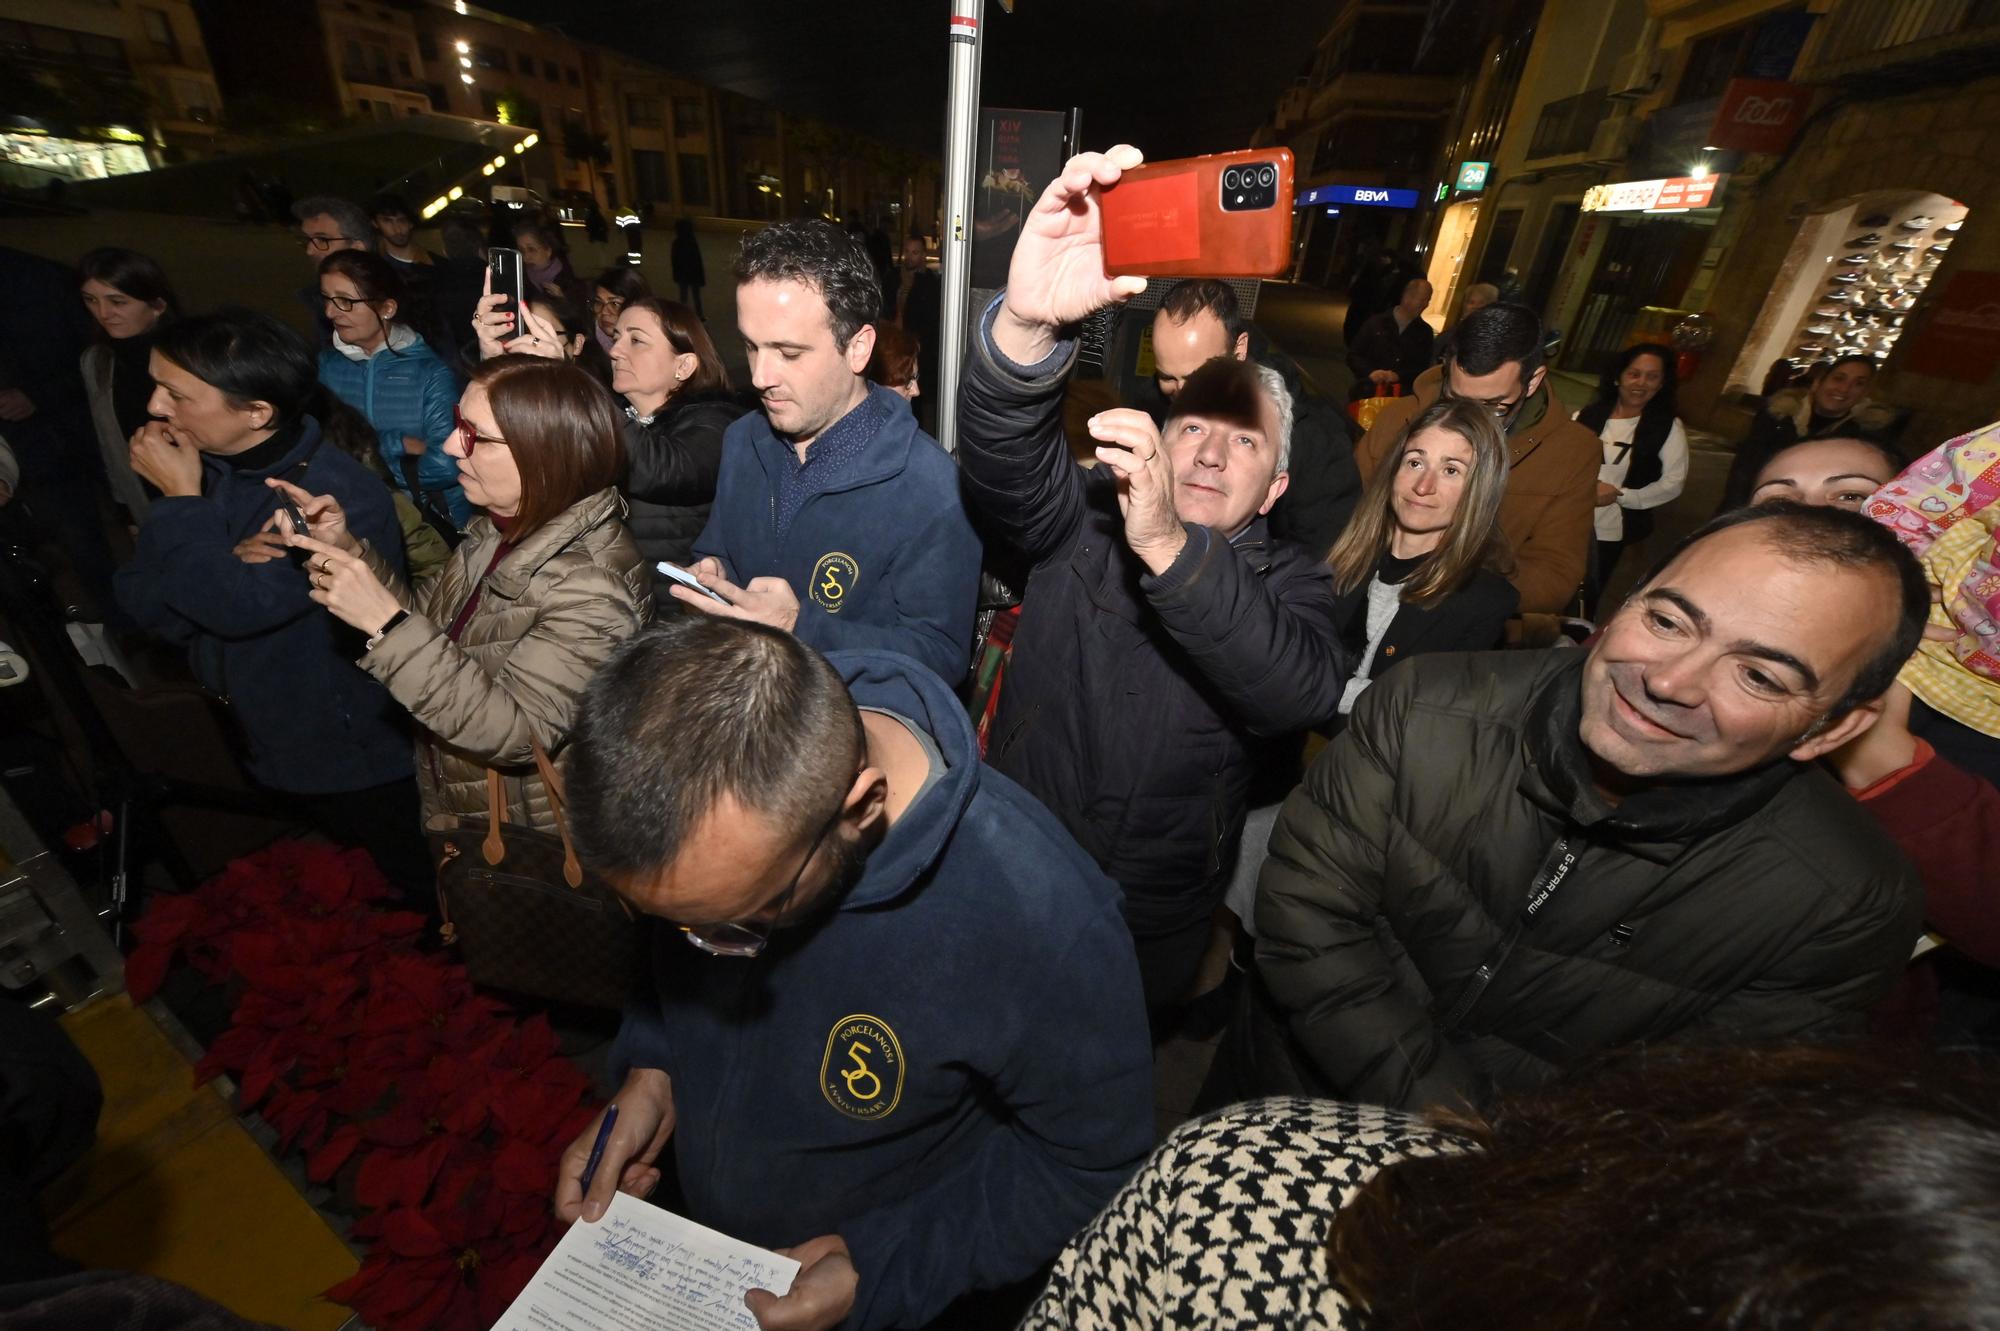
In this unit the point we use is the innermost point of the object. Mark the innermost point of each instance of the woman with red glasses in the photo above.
(492, 652)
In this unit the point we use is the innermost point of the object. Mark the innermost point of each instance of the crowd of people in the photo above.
(1544, 959)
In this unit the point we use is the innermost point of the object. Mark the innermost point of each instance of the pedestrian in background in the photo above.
(545, 261)
(893, 364)
(327, 225)
(1833, 402)
(131, 300)
(690, 275)
(1645, 453)
(1392, 348)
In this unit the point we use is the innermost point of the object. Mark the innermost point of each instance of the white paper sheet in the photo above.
(644, 1269)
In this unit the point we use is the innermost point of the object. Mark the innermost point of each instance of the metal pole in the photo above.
(960, 156)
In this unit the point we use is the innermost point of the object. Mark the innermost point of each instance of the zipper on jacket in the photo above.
(1554, 871)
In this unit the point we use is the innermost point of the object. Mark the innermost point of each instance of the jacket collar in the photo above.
(218, 468)
(1655, 823)
(571, 525)
(400, 338)
(884, 456)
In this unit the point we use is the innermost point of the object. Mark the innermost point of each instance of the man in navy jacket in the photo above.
(900, 1030)
(835, 517)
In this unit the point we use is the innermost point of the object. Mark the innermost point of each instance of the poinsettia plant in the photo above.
(379, 1061)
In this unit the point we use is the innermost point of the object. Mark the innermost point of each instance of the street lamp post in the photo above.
(961, 126)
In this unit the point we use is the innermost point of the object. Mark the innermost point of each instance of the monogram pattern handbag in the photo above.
(522, 912)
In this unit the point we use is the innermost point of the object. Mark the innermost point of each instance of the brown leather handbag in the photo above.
(522, 912)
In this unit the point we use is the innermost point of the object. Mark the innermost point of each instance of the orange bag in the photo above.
(1364, 410)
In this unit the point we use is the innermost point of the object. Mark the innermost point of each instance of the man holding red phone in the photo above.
(1165, 640)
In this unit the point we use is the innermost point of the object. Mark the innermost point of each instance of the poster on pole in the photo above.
(1020, 152)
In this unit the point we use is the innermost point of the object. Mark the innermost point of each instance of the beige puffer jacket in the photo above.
(547, 618)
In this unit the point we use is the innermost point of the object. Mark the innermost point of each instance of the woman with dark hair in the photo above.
(233, 400)
(1417, 569)
(1645, 450)
(1679, 1188)
(1833, 403)
(545, 260)
(379, 366)
(131, 300)
(491, 654)
(678, 404)
(615, 288)
(893, 363)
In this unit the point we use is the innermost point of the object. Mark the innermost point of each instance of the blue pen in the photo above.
(597, 1147)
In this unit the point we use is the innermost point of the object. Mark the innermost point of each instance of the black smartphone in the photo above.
(508, 280)
(291, 510)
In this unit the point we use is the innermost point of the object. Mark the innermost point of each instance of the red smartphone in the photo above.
(1224, 215)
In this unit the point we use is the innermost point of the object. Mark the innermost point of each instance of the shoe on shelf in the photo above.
(1874, 219)
(1820, 330)
(1872, 238)
(1921, 222)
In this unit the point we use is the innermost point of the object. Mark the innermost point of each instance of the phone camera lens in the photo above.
(1232, 179)
(1267, 177)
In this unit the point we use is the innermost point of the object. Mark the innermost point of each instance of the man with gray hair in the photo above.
(1165, 641)
(328, 224)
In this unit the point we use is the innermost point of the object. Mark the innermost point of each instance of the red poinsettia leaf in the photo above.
(270, 1062)
(361, 1283)
(339, 1147)
(408, 1232)
(421, 1168)
(446, 1304)
(501, 1281)
(526, 1214)
(146, 968)
(377, 1184)
(521, 1168)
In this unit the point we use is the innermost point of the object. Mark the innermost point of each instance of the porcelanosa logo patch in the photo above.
(861, 1073)
(833, 578)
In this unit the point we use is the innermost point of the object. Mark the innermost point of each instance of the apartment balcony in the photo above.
(1569, 126)
(1931, 39)
(1389, 93)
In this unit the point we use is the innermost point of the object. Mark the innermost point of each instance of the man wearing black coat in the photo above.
(1200, 320)
(1164, 637)
(1395, 346)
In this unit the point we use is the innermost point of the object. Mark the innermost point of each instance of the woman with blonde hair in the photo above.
(1419, 567)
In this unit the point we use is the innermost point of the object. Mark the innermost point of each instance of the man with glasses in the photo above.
(1546, 515)
(328, 224)
(898, 1030)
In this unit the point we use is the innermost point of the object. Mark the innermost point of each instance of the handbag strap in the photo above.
(494, 847)
(572, 867)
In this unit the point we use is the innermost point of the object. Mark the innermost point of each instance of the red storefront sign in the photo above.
(1759, 115)
(1961, 337)
(1639, 196)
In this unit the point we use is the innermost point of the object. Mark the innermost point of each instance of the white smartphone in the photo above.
(687, 579)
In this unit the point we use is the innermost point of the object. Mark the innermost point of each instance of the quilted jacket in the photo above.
(404, 390)
(548, 616)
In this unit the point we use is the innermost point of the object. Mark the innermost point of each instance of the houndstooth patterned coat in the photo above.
(1225, 1228)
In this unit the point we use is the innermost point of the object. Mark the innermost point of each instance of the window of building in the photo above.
(427, 47)
(694, 180)
(690, 115)
(1712, 62)
(192, 95)
(487, 57)
(403, 65)
(525, 62)
(571, 77)
(550, 72)
(649, 176)
(643, 112)
(160, 34)
(439, 101)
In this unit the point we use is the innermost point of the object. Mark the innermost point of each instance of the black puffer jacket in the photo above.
(674, 460)
(1764, 906)
(1135, 705)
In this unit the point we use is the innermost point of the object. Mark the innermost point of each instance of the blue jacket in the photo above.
(886, 559)
(313, 721)
(403, 389)
(951, 1071)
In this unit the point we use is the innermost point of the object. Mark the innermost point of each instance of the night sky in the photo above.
(1173, 76)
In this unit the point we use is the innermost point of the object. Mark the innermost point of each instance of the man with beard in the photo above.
(1510, 861)
(898, 1031)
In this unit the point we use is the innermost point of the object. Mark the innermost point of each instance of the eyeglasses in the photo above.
(747, 938)
(1502, 409)
(320, 244)
(612, 303)
(341, 303)
(468, 433)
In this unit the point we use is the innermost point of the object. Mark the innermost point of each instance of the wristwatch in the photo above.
(383, 632)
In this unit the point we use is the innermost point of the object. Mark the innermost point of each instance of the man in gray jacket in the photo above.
(1510, 861)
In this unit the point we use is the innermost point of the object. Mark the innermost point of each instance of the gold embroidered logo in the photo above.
(833, 578)
(861, 1074)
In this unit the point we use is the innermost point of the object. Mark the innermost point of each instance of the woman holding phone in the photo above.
(491, 654)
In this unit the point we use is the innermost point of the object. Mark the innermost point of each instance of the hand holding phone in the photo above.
(687, 579)
(508, 281)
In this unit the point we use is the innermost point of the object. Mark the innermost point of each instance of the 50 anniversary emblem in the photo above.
(833, 578)
(861, 1073)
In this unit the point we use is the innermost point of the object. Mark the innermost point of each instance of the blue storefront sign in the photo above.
(1373, 196)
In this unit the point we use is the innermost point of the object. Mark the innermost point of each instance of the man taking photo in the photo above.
(898, 1031)
(1165, 640)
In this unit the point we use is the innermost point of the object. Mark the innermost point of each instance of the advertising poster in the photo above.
(1020, 152)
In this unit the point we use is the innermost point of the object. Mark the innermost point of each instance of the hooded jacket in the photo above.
(1396, 941)
(547, 618)
(403, 389)
(675, 457)
(951, 1070)
(1546, 513)
(313, 722)
(885, 558)
(1135, 704)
